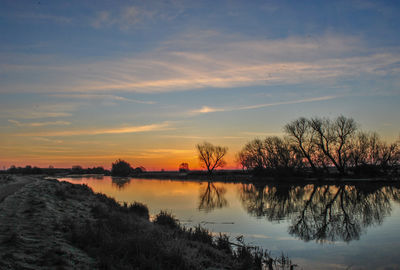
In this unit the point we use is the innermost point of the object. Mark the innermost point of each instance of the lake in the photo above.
(317, 226)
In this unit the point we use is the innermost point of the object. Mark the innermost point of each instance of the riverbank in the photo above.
(47, 224)
(247, 178)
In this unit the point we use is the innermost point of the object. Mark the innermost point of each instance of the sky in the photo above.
(88, 82)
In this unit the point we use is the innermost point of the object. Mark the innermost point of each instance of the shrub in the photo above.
(166, 219)
(121, 168)
(222, 243)
(138, 208)
(201, 234)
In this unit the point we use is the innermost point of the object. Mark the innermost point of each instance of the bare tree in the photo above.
(334, 139)
(344, 130)
(253, 155)
(184, 167)
(301, 133)
(210, 156)
(280, 153)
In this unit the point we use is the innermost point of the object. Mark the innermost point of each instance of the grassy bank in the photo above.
(48, 224)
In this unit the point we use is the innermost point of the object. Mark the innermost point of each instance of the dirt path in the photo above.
(31, 225)
(9, 186)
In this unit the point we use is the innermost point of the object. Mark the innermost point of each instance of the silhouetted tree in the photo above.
(211, 156)
(333, 138)
(280, 154)
(77, 169)
(273, 154)
(139, 169)
(12, 169)
(322, 144)
(183, 167)
(302, 135)
(121, 168)
(253, 155)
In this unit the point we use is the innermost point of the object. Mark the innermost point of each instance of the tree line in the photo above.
(322, 146)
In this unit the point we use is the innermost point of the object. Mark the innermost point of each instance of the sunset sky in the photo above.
(87, 82)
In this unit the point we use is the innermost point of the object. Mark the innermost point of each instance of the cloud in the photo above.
(41, 139)
(168, 150)
(101, 97)
(206, 109)
(39, 110)
(197, 138)
(124, 18)
(210, 59)
(262, 134)
(120, 130)
(133, 16)
(46, 17)
(39, 124)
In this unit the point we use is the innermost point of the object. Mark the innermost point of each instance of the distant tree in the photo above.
(12, 169)
(139, 169)
(184, 167)
(27, 170)
(77, 169)
(36, 170)
(210, 156)
(121, 168)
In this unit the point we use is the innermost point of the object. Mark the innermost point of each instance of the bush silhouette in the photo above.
(121, 168)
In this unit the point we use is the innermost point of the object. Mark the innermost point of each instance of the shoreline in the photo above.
(249, 179)
(51, 224)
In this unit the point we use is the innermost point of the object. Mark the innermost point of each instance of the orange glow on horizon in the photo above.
(157, 164)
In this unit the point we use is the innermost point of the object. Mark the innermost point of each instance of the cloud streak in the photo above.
(120, 130)
(39, 124)
(206, 109)
(101, 97)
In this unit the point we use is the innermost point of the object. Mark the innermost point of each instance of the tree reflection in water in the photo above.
(120, 182)
(321, 212)
(211, 197)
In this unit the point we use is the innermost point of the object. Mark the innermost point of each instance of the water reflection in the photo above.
(120, 182)
(321, 212)
(211, 197)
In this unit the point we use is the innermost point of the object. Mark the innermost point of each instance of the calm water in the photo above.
(319, 227)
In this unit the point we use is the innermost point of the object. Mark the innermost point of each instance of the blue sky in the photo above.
(89, 81)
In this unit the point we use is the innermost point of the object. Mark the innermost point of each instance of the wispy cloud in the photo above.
(39, 124)
(124, 18)
(193, 137)
(206, 109)
(101, 97)
(213, 59)
(169, 150)
(47, 140)
(45, 17)
(38, 110)
(118, 130)
(131, 16)
(262, 134)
